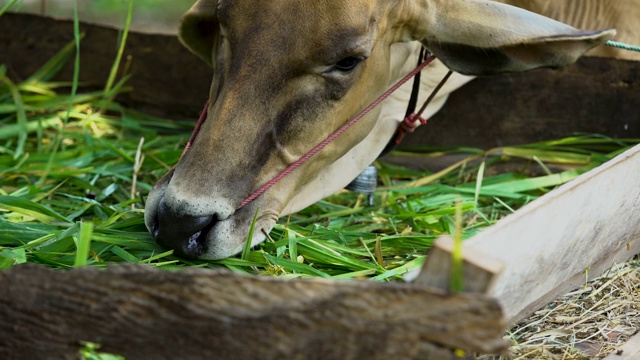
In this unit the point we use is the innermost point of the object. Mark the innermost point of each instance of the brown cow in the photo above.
(289, 73)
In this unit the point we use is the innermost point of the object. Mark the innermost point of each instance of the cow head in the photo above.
(287, 73)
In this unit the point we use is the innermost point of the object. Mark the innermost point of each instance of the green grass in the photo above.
(75, 170)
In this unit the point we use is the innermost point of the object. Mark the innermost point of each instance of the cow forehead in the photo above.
(318, 26)
(315, 13)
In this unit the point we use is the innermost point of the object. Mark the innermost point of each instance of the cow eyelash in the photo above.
(347, 64)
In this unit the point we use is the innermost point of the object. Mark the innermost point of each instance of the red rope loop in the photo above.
(196, 130)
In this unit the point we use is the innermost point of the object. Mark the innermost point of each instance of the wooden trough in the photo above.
(512, 268)
(145, 313)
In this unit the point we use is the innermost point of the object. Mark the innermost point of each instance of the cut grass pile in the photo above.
(75, 170)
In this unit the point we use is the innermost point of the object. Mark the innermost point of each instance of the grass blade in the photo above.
(116, 64)
(83, 243)
(295, 267)
(457, 277)
(53, 65)
(7, 6)
(247, 245)
(26, 207)
(21, 115)
(479, 178)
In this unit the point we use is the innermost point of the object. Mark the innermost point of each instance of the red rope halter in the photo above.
(409, 120)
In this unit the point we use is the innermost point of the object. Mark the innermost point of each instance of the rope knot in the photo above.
(409, 124)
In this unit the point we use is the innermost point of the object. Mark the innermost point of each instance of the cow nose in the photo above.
(186, 235)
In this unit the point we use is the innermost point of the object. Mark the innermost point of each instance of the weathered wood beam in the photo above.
(596, 95)
(142, 312)
(557, 242)
(479, 271)
(167, 80)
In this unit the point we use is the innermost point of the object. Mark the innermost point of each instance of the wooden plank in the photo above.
(628, 351)
(167, 79)
(555, 243)
(595, 95)
(145, 313)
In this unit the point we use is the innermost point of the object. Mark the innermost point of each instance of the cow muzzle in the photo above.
(205, 226)
(187, 235)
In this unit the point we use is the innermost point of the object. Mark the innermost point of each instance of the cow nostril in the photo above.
(194, 244)
(197, 243)
(185, 234)
(155, 227)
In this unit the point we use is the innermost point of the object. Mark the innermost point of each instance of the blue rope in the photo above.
(620, 45)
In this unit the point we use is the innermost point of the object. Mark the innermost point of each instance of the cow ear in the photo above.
(478, 37)
(199, 29)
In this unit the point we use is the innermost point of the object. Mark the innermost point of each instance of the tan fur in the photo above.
(623, 15)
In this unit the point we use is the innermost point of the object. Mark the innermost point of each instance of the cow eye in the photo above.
(347, 64)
